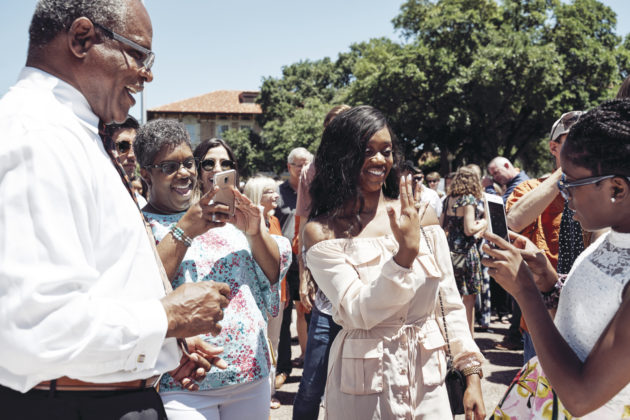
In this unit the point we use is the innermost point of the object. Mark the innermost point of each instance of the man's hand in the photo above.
(196, 362)
(196, 308)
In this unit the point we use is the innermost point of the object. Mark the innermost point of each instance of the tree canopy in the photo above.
(469, 80)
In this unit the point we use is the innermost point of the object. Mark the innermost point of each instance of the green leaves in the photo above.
(473, 79)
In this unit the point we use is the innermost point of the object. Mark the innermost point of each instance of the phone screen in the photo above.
(497, 220)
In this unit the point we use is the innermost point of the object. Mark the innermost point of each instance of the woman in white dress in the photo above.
(584, 353)
(381, 271)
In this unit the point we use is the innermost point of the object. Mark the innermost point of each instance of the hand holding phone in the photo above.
(225, 180)
(495, 214)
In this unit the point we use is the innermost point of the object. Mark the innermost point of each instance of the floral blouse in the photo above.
(223, 255)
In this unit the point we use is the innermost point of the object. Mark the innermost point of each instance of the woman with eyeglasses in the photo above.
(199, 241)
(582, 354)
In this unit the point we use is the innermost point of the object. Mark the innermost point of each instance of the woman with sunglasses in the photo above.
(198, 241)
(583, 353)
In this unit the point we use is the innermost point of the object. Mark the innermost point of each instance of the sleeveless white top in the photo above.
(592, 295)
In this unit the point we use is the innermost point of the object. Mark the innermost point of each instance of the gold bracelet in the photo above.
(473, 370)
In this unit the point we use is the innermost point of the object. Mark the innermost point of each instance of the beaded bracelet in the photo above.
(552, 297)
(178, 233)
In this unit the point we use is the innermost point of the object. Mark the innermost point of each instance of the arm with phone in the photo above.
(200, 217)
(525, 207)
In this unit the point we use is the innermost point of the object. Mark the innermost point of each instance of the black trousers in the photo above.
(144, 404)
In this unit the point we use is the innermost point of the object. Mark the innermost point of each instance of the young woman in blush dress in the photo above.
(382, 272)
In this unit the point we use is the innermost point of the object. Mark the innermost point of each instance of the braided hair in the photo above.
(600, 140)
(340, 158)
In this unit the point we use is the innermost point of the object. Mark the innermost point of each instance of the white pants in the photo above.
(234, 402)
(274, 324)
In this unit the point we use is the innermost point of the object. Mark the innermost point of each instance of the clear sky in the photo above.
(207, 45)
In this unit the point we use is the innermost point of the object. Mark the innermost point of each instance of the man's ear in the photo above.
(81, 37)
(554, 148)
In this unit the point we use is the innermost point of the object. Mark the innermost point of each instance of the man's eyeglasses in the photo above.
(123, 146)
(564, 186)
(169, 167)
(209, 164)
(149, 56)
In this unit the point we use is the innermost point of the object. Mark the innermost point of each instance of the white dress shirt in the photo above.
(433, 198)
(80, 286)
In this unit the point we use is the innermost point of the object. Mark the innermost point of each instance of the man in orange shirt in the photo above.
(535, 208)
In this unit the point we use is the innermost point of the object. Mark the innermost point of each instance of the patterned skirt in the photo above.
(530, 397)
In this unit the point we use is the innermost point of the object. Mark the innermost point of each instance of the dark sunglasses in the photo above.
(169, 167)
(209, 164)
(123, 146)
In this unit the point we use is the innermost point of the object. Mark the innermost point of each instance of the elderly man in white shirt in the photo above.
(83, 302)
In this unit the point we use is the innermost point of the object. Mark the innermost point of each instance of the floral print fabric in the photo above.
(223, 255)
(468, 275)
(530, 397)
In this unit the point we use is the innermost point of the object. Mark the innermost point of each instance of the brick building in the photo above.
(209, 115)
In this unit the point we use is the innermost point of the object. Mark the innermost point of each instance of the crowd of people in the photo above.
(132, 288)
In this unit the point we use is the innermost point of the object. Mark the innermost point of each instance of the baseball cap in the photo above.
(564, 123)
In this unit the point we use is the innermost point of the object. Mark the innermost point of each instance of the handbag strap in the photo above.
(449, 355)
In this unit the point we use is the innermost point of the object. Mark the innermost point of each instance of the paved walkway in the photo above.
(500, 369)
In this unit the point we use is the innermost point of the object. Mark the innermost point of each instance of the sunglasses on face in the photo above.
(169, 167)
(123, 146)
(209, 164)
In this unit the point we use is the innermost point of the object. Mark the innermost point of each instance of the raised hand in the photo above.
(406, 226)
(544, 273)
(248, 217)
(506, 265)
(203, 215)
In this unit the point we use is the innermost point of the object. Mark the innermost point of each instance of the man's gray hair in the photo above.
(54, 16)
(299, 152)
(155, 135)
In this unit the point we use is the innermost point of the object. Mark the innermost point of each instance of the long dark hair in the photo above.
(340, 157)
(600, 140)
(202, 149)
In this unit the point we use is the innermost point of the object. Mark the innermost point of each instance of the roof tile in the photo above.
(220, 101)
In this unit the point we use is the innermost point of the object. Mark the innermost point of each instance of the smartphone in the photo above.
(225, 180)
(495, 214)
